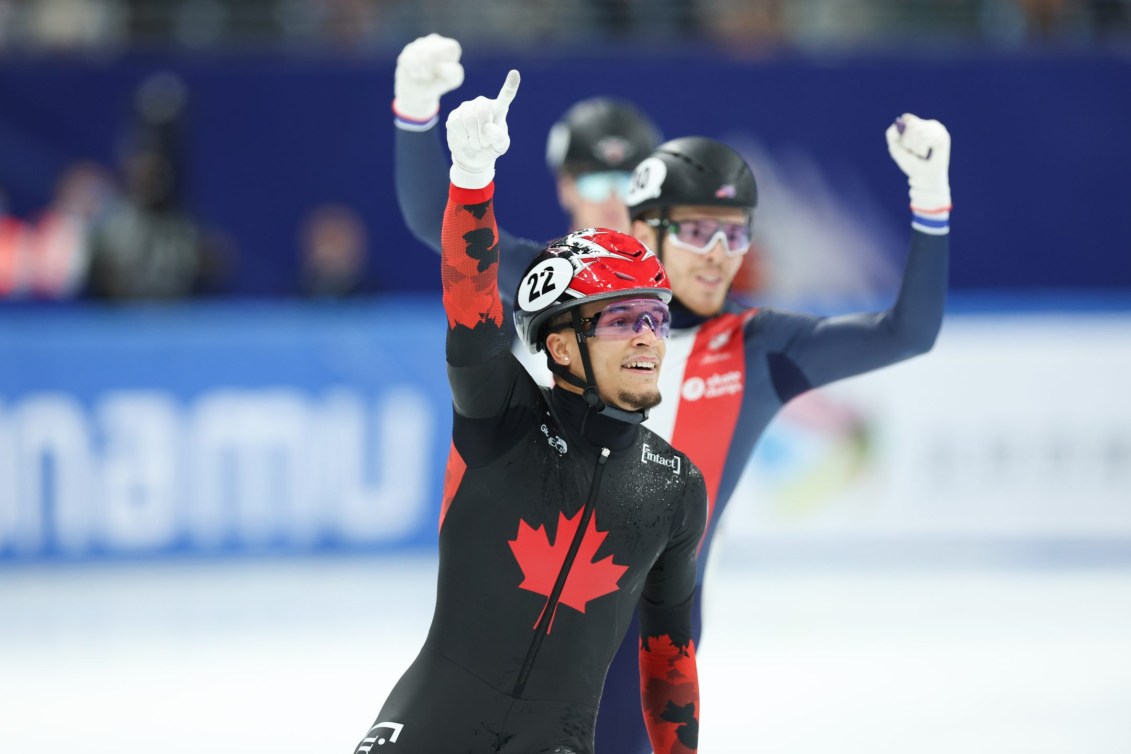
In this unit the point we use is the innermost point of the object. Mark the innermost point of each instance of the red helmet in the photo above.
(588, 265)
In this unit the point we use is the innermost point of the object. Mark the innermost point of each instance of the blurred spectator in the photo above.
(1045, 18)
(76, 24)
(47, 257)
(60, 237)
(647, 19)
(350, 25)
(13, 252)
(340, 24)
(150, 246)
(335, 252)
(62, 25)
(1111, 17)
(745, 22)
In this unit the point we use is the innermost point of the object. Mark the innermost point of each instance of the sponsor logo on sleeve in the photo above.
(556, 442)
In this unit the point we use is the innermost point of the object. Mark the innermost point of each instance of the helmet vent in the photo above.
(695, 164)
(622, 275)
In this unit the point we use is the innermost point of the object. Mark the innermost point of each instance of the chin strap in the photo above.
(588, 386)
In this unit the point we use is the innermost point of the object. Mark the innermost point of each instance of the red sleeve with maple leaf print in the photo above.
(487, 381)
(669, 680)
(469, 263)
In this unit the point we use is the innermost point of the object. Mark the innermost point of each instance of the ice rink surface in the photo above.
(297, 655)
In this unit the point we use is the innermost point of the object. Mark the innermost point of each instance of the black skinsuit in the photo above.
(557, 522)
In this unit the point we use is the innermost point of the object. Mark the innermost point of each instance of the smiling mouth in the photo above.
(644, 367)
(711, 280)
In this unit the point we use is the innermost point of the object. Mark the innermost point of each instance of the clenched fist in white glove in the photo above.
(427, 69)
(921, 148)
(477, 136)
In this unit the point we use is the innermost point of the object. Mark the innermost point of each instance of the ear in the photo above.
(557, 345)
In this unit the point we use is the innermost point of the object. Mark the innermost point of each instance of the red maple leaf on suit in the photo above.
(541, 562)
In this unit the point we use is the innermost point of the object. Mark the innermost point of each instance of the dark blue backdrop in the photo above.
(1039, 172)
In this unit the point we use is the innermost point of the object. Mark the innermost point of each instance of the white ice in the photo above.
(296, 656)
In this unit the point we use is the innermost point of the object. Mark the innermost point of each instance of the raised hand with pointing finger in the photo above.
(478, 135)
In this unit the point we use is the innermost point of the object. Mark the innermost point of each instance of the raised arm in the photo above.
(480, 378)
(427, 69)
(669, 680)
(818, 350)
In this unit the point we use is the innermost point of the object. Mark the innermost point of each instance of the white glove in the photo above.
(921, 148)
(477, 136)
(427, 69)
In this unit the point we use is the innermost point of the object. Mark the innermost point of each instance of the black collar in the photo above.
(597, 430)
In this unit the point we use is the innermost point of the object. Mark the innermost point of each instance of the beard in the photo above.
(638, 401)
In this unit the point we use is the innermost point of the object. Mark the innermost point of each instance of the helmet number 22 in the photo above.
(547, 283)
(544, 284)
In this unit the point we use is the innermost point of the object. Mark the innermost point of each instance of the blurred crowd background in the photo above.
(111, 186)
(38, 26)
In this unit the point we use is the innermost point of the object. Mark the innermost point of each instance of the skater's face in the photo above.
(626, 341)
(702, 249)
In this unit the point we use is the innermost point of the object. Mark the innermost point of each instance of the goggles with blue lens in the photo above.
(700, 236)
(598, 187)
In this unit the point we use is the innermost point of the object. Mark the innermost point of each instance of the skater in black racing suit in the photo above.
(561, 513)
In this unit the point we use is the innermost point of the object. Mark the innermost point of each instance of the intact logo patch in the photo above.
(671, 462)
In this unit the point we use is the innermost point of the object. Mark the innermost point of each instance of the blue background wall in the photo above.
(1039, 170)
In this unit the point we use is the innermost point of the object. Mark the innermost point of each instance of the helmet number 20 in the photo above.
(544, 283)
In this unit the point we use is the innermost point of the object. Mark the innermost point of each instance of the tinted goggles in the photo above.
(621, 320)
(598, 187)
(700, 236)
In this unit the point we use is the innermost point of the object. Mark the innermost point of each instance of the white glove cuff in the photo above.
(471, 180)
(416, 114)
(930, 210)
(930, 199)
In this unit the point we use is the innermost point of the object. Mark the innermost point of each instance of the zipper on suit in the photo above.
(543, 625)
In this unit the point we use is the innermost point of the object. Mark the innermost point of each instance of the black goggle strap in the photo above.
(662, 230)
(561, 370)
(590, 385)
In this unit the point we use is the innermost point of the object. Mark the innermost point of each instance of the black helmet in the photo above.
(693, 170)
(600, 134)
